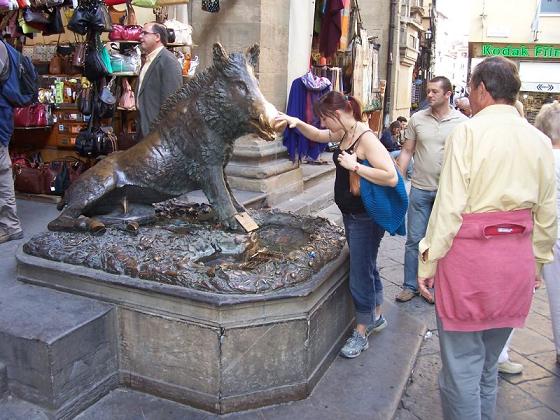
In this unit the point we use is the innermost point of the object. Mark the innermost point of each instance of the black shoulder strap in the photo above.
(358, 139)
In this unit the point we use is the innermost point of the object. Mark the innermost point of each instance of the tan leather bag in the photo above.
(55, 65)
(117, 16)
(354, 183)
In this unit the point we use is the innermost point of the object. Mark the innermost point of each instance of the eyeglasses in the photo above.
(147, 33)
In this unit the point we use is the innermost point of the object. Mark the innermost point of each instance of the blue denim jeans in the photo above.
(420, 205)
(364, 236)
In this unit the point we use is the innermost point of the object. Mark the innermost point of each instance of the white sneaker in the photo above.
(510, 367)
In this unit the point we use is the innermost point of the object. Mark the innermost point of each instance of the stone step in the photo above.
(312, 200)
(315, 174)
(59, 350)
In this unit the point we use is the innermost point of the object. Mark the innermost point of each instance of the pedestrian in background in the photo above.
(464, 106)
(160, 76)
(492, 227)
(424, 138)
(391, 136)
(342, 117)
(548, 121)
(10, 228)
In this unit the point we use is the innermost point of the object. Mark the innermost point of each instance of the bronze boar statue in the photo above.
(188, 147)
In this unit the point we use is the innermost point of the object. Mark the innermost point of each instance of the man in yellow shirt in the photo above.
(492, 227)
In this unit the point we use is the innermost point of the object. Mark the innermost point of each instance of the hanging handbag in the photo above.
(212, 6)
(55, 65)
(79, 21)
(84, 100)
(98, 63)
(100, 20)
(117, 16)
(106, 102)
(183, 31)
(105, 140)
(171, 36)
(36, 19)
(130, 18)
(35, 115)
(79, 56)
(94, 68)
(127, 99)
(85, 145)
(55, 25)
(125, 33)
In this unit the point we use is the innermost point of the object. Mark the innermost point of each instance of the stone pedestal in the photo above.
(218, 352)
(262, 166)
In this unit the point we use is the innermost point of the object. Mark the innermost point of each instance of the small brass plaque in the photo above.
(246, 221)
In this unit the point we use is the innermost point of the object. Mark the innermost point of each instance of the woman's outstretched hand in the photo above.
(284, 119)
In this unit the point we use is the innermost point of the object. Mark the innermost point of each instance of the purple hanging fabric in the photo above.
(303, 93)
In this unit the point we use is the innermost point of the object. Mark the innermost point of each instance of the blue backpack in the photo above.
(22, 86)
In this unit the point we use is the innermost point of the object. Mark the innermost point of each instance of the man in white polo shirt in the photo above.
(425, 138)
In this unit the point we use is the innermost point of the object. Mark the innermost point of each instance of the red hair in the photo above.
(336, 101)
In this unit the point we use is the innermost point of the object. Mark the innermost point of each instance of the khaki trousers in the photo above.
(9, 222)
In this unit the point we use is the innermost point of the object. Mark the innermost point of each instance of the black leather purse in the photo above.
(85, 144)
(55, 25)
(94, 68)
(170, 35)
(105, 140)
(79, 21)
(100, 20)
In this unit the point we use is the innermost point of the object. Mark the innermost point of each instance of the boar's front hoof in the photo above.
(96, 227)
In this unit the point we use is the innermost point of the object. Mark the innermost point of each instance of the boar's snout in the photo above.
(266, 125)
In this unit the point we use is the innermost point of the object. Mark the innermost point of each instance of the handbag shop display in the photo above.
(83, 84)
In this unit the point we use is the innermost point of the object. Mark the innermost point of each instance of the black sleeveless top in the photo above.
(344, 199)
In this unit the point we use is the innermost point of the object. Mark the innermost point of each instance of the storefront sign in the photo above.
(520, 51)
(540, 87)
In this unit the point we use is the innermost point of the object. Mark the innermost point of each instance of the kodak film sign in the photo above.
(518, 50)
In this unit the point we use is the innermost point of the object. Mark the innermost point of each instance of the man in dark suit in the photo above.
(160, 76)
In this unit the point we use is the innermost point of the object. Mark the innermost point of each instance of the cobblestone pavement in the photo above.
(534, 394)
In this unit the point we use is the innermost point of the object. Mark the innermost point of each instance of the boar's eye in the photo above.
(242, 87)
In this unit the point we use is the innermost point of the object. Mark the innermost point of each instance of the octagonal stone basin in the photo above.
(221, 352)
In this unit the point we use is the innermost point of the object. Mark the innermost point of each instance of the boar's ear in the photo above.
(220, 55)
(252, 55)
